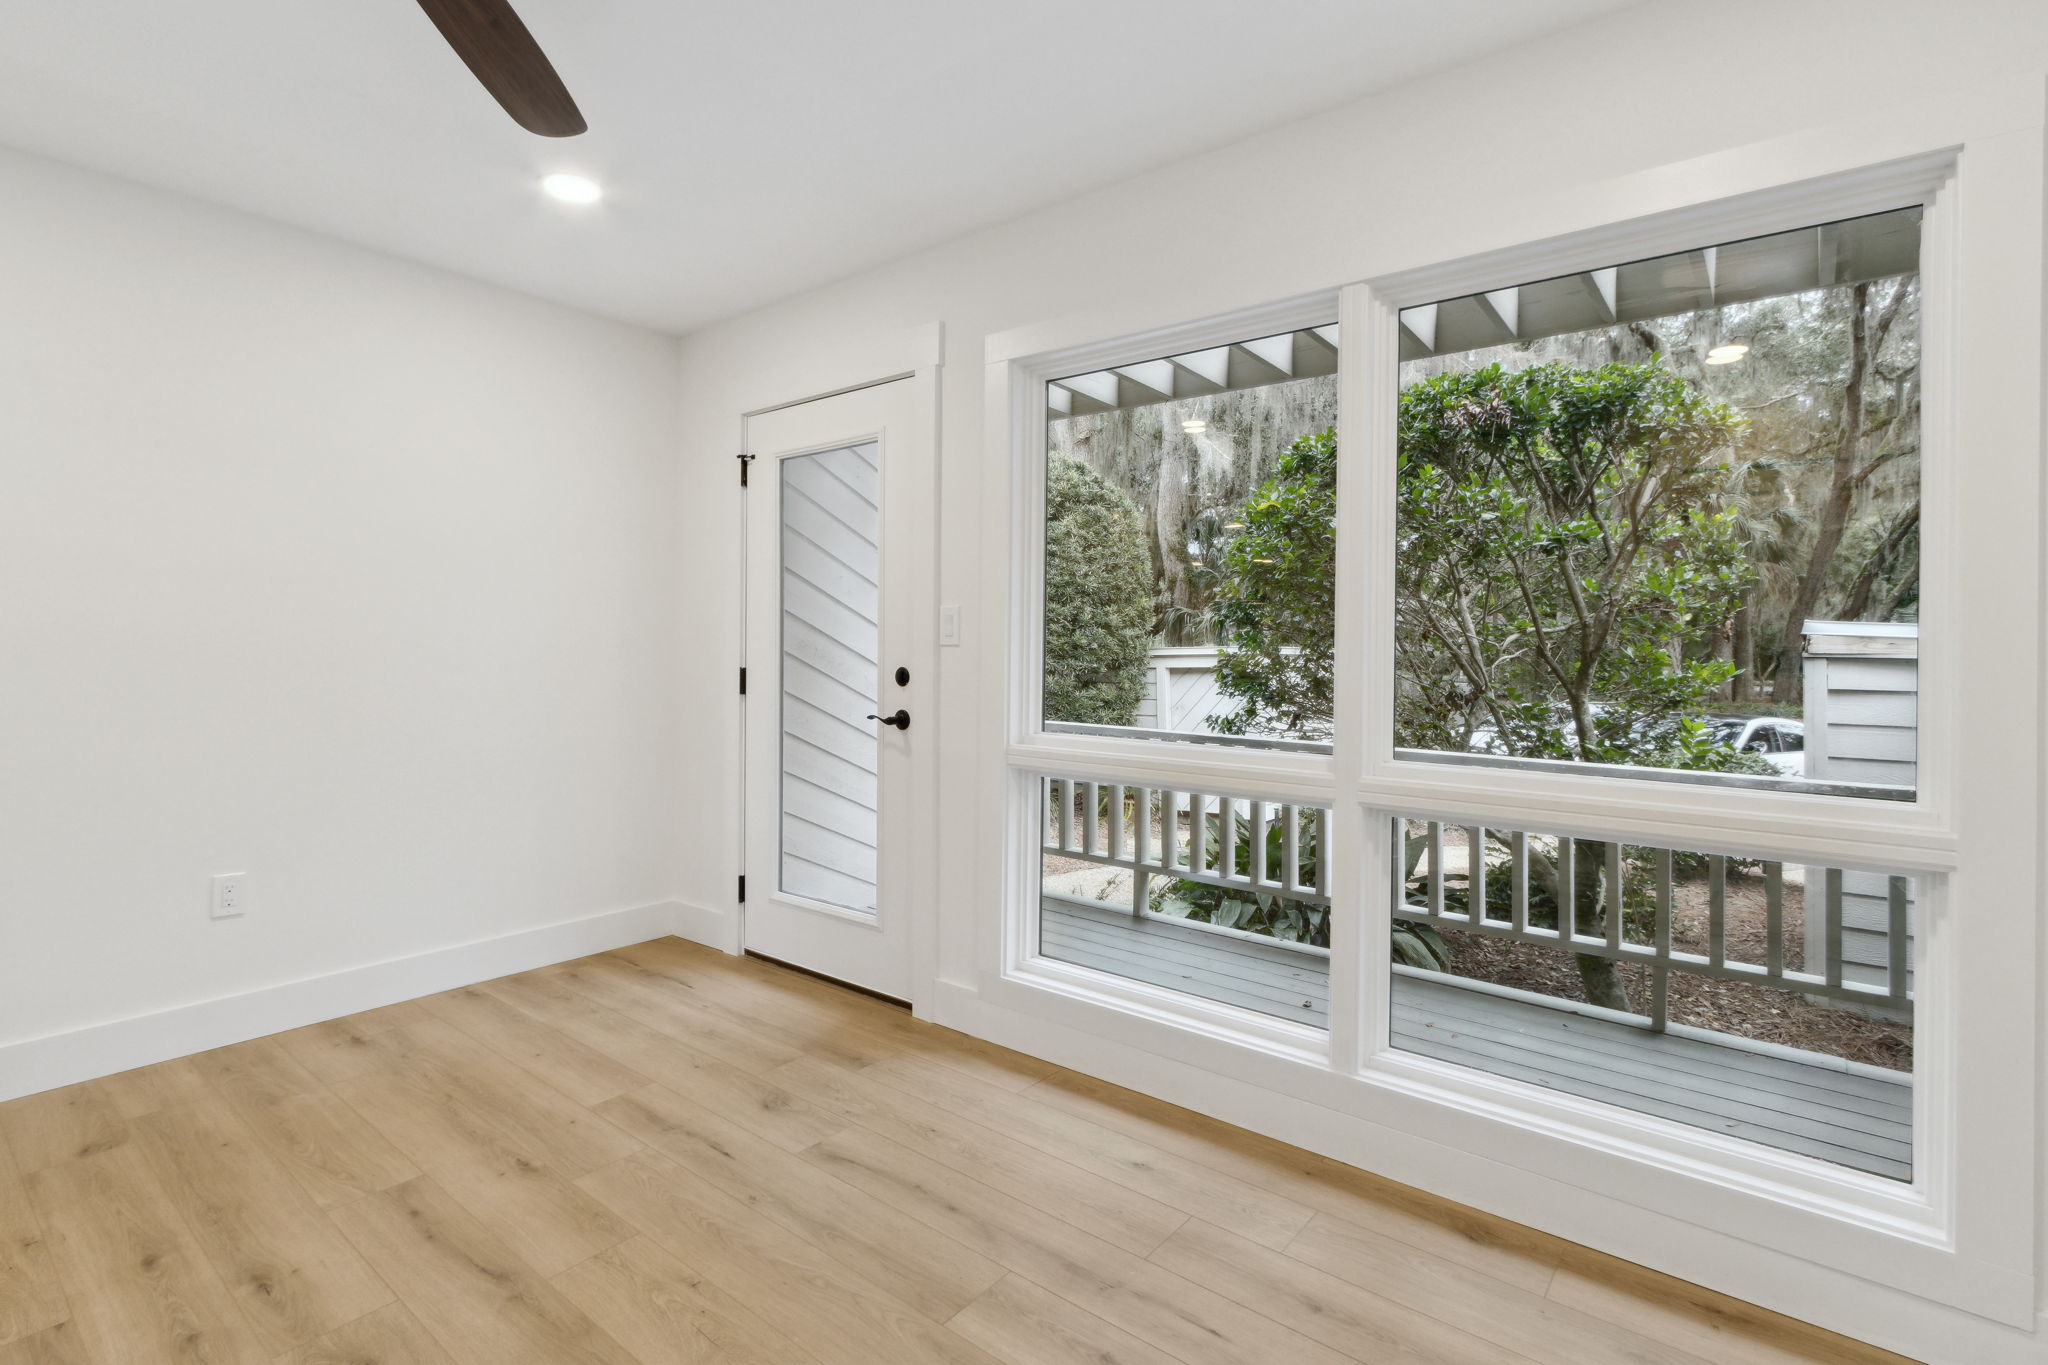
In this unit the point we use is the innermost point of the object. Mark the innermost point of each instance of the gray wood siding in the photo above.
(1862, 725)
(831, 609)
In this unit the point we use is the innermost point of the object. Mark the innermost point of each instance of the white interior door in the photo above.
(834, 498)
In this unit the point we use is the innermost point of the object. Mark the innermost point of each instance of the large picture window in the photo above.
(1658, 604)
(1666, 515)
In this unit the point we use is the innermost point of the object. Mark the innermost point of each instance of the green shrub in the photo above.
(1099, 599)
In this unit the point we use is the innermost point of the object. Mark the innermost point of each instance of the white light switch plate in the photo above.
(949, 625)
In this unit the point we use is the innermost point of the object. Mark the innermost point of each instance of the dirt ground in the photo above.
(1735, 1007)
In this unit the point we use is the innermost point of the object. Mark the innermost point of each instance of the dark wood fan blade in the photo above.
(495, 45)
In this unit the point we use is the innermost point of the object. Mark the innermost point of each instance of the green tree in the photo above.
(1099, 599)
(1563, 551)
(1276, 607)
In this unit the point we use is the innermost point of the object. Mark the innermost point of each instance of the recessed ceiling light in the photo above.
(571, 189)
(1727, 355)
(1194, 428)
(1233, 526)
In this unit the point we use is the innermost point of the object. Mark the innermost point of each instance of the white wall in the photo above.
(1421, 174)
(340, 571)
(1452, 165)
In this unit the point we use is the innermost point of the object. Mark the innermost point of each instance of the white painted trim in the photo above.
(712, 926)
(37, 1064)
(1752, 1270)
(849, 364)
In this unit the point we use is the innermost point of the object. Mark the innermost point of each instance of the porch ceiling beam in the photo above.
(1212, 365)
(1504, 306)
(1154, 381)
(1601, 285)
(1275, 351)
(1420, 323)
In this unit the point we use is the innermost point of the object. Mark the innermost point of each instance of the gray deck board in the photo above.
(1820, 1108)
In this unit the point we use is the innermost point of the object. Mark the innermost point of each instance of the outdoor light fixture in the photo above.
(571, 189)
(1194, 427)
(1728, 354)
(1233, 526)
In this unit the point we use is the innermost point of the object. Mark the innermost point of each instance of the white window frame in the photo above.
(1961, 1234)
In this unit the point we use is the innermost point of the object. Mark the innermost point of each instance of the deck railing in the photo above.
(1507, 883)
(1431, 886)
(1190, 836)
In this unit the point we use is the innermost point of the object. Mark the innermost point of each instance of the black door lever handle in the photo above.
(901, 720)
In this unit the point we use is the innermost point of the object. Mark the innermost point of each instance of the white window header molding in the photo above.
(1902, 148)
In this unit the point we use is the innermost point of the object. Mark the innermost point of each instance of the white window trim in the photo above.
(1968, 1247)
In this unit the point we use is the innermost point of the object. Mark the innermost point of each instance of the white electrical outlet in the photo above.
(230, 894)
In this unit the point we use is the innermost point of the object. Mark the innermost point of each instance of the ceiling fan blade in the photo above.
(496, 47)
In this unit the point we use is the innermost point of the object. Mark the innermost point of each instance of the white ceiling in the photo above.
(749, 151)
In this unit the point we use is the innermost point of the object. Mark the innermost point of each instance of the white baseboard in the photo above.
(38, 1064)
(718, 929)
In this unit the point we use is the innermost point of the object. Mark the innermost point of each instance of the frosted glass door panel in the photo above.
(831, 534)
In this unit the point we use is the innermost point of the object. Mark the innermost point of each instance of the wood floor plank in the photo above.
(753, 986)
(750, 1100)
(799, 1290)
(1022, 1324)
(147, 1089)
(63, 1344)
(584, 1074)
(389, 1336)
(61, 1125)
(1711, 1326)
(338, 1049)
(666, 1313)
(481, 1303)
(1152, 1171)
(1499, 1312)
(447, 1063)
(294, 1274)
(930, 1272)
(31, 1296)
(1142, 1298)
(816, 1019)
(1093, 1203)
(141, 1290)
(1337, 1313)
(1495, 1247)
(673, 1008)
(526, 1204)
(326, 1146)
(706, 1005)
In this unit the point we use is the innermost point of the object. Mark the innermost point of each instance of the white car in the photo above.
(1781, 743)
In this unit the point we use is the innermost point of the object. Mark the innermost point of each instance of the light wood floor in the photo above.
(666, 1155)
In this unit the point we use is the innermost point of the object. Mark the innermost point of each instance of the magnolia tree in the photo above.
(1563, 562)
(1099, 599)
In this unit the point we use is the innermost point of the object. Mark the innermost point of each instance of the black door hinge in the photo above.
(746, 462)
(743, 681)
(743, 888)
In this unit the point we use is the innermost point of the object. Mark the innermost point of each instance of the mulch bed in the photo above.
(1734, 1007)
